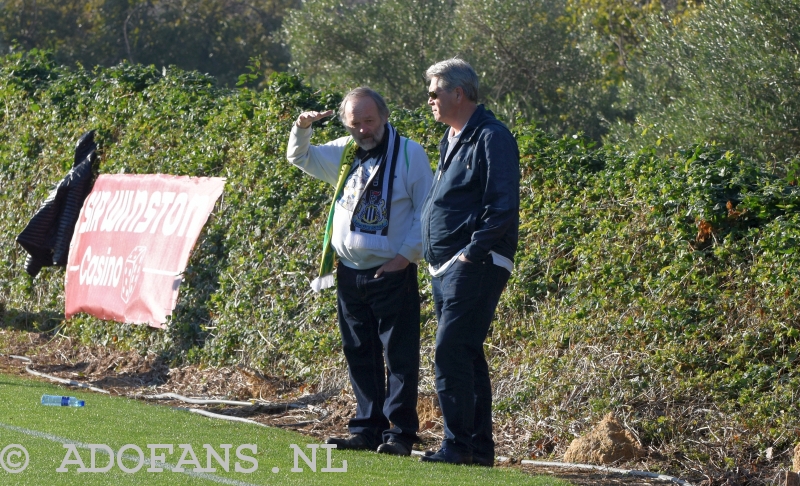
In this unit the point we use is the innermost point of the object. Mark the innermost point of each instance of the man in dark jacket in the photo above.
(470, 228)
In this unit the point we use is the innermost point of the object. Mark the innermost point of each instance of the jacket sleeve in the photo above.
(320, 161)
(499, 172)
(418, 182)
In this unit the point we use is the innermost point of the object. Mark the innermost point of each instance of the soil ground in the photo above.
(276, 401)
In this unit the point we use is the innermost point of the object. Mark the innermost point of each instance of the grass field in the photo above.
(60, 438)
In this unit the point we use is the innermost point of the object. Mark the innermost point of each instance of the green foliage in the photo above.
(654, 272)
(727, 73)
(531, 57)
(613, 30)
(211, 36)
(531, 64)
(661, 287)
(386, 45)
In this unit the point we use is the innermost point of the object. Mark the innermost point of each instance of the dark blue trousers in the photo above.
(379, 323)
(465, 298)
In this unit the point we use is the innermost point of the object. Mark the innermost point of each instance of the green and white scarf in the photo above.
(374, 200)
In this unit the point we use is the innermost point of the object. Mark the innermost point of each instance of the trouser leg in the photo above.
(465, 298)
(396, 307)
(364, 355)
(482, 441)
(379, 322)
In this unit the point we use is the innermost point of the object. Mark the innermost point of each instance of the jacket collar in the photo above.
(481, 117)
(477, 120)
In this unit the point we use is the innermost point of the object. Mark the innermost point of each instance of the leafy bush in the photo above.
(526, 55)
(727, 73)
(386, 45)
(663, 288)
(211, 36)
(531, 63)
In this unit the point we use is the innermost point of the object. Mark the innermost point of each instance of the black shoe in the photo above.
(447, 456)
(355, 442)
(394, 448)
(481, 460)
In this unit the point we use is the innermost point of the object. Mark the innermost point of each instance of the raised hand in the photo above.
(307, 118)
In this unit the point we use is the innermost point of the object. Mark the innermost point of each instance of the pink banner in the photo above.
(132, 242)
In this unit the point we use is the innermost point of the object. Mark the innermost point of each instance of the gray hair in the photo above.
(455, 73)
(364, 92)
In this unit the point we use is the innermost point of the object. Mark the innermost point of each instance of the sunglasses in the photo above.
(432, 95)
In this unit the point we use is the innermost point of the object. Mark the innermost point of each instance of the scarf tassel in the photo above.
(322, 283)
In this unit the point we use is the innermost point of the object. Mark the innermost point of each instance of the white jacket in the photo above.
(411, 185)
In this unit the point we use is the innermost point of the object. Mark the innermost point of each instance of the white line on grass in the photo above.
(147, 462)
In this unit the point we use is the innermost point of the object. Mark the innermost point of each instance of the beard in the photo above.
(368, 142)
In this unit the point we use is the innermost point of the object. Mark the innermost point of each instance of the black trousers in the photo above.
(379, 323)
(464, 299)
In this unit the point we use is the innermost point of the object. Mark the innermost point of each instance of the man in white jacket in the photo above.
(381, 180)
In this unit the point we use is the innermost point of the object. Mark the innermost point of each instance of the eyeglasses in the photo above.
(432, 95)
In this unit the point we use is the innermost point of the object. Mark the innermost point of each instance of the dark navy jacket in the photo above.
(474, 201)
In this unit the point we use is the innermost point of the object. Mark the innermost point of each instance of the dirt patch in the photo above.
(275, 401)
(608, 442)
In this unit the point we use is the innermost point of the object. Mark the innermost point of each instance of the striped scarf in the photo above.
(369, 224)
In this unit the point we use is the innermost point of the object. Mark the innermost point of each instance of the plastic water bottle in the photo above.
(59, 401)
